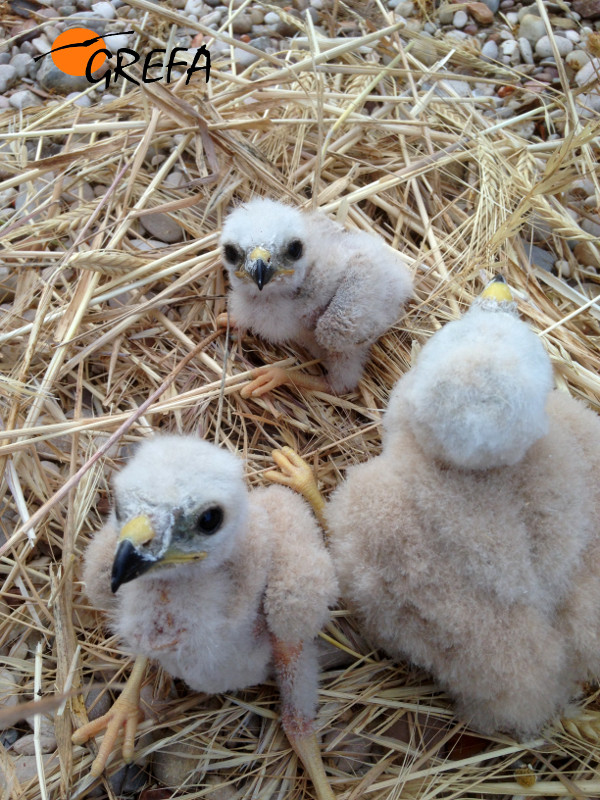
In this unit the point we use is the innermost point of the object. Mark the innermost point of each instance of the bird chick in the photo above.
(471, 545)
(211, 581)
(300, 277)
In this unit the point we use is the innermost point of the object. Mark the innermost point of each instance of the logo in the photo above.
(81, 51)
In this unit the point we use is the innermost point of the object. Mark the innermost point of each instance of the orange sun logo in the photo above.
(73, 48)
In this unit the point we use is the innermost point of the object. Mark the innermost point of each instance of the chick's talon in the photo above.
(265, 380)
(298, 475)
(225, 319)
(126, 713)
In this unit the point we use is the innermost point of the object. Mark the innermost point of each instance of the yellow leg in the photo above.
(125, 712)
(297, 474)
(265, 379)
(225, 319)
(298, 725)
(584, 726)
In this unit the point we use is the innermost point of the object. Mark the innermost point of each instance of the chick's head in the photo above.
(179, 501)
(476, 398)
(265, 243)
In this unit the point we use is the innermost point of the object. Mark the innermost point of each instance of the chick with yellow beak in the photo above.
(223, 587)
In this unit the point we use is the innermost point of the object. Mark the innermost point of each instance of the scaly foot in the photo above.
(124, 713)
(268, 378)
(225, 319)
(297, 474)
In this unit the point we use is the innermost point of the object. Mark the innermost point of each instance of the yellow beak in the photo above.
(138, 531)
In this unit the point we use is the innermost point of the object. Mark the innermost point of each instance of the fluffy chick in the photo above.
(211, 581)
(471, 545)
(300, 277)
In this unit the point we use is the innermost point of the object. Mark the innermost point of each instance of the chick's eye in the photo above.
(210, 520)
(232, 254)
(295, 249)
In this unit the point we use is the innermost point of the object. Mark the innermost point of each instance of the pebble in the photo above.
(544, 49)
(588, 9)
(25, 769)
(8, 689)
(78, 99)
(481, 13)
(8, 77)
(105, 10)
(52, 79)
(588, 73)
(540, 257)
(577, 59)
(563, 268)
(24, 65)
(242, 24)
(24, 99)
(526, 50)
(591, 227)
(175, 764)
(493, 5)
(587, 253)
(271, 18)
(460, 19)
(531, 28)
(490, 50)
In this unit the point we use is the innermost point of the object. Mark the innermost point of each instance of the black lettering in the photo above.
(172, 63)
(148, 65)
(201, 51)
(119, 69)
(89, 70)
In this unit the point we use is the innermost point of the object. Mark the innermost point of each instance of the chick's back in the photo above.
(490, 579)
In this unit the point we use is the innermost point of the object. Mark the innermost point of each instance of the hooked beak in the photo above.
(259, 267)
(130, 561)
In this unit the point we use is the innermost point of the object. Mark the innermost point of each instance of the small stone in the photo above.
(24, 99)
(573, 36)
(271, 18)
(53, 79)
(531, 28)
(5, 58)
(8, 689)
(588, 73)
(25, 769)
(257, 15)
(510, 47)
(105, 10)
(544, 49)
(425, 50)
(24, 64)
(175, 179)
(162, 227)
(446, 14)
(242, 24)
(25, 746)
(589, 9)
(243, 58)
(41, 45)
(526, 50)
(540, 257)
(86, 19)
(576, 59)
(78, 99)
(114, 43)
(460, 19)
(481, 13)
(563, 268)
(490, 50)
(588, 254)
(494, 5)
(512, 18)
(8, 77)
(591, 227)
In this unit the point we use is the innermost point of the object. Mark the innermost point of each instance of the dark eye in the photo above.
(294, 249)
(232, 254)
(210, 520)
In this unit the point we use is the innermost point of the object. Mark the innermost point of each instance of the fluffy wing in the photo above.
(97, 567)
(301, 585)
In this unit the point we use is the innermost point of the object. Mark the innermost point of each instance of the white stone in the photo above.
(8, 77)
(531, 28)
(78, 99)
(490, 50)
(573, 36)
(512, 17)
(271, 18)
(24, 99)
(526, 50)
(23, 63)
(117, 41)
(577, 59)
(588, 73)
(460, 19)
(544, 47)
(105, 10)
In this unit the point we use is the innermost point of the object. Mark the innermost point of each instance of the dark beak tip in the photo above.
(127, 565)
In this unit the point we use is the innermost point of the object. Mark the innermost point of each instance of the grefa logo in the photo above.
(81, 51)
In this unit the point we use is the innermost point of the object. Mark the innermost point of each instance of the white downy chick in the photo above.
(221, 586)
(471, 545)
(300, 277)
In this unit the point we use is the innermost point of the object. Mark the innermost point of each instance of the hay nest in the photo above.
(94, 329)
